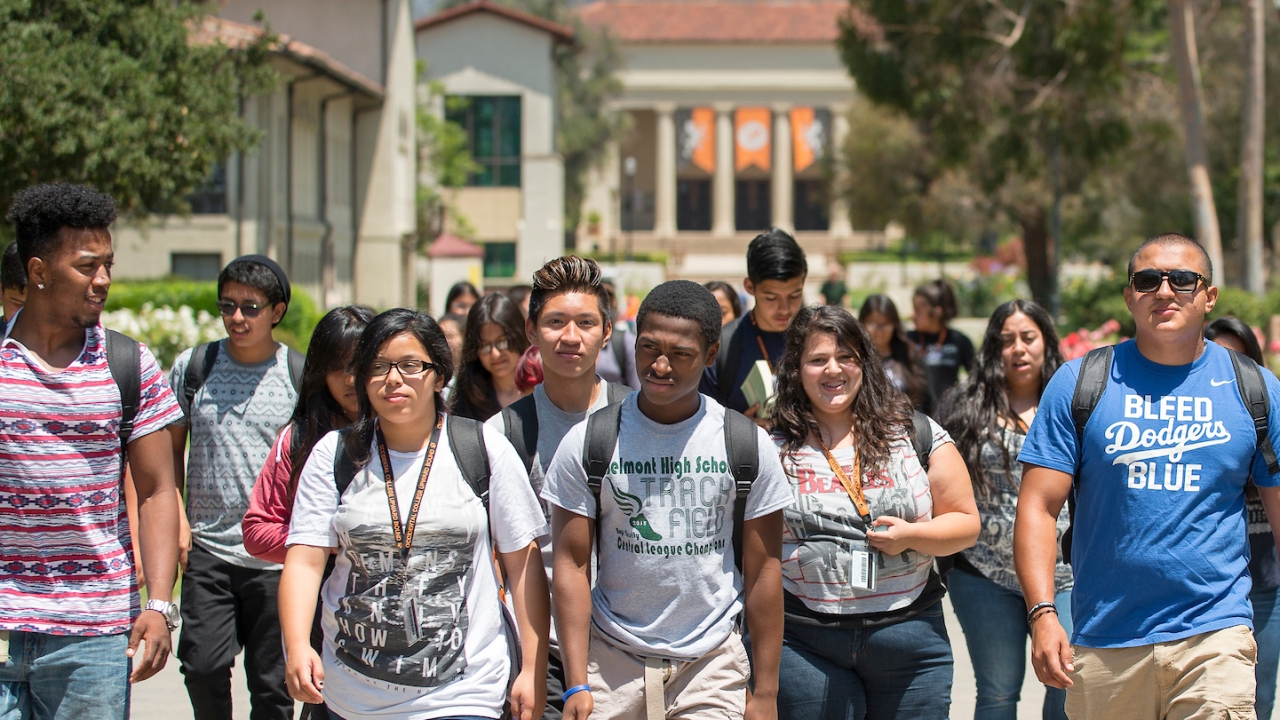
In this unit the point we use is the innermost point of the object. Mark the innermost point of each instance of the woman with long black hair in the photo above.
(413, 622)
(493, 342)
(902, 361)
(864, 634)
(988, 414)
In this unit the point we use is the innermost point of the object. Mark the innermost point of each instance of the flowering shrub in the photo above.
(1080, 342)
(166, 331)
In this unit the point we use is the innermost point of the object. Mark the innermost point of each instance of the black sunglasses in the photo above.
(1180, 281)
(249, 310)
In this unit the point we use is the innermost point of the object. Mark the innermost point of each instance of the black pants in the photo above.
(225, 608)
(555, 688)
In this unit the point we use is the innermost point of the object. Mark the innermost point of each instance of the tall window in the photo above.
(493, 136)
(211, 197)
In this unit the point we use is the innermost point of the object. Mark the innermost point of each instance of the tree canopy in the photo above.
(113, 94)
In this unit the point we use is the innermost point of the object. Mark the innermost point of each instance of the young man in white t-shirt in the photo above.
(657, 636)
(569, 321)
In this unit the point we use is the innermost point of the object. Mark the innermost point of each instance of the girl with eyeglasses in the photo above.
(491, 348)
(864, 635)
(902, 362)
(412, 616)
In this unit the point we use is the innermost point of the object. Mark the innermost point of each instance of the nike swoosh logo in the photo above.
(1220, 383)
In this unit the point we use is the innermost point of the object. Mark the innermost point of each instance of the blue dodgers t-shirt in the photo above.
(1159, 549)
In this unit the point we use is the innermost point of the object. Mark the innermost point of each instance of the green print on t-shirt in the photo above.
(634, 509)
(692, 508)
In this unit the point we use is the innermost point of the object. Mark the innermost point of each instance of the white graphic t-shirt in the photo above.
(668, 585)
(424, 640)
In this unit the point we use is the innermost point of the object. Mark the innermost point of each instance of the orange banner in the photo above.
(696, 144)
(803, 149)
(752, 141)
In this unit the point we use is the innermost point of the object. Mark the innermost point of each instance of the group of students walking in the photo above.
(387, 526)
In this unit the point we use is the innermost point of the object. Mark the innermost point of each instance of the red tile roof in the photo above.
(719, 21)
(238, 35)
(448, 245)
(562, 33)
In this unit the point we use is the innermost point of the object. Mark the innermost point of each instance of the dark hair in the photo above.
(881, 414)
(567, 274)
(901, 350)
(381, 329)
(683, 299)
(939, 294)
(775, 255)
(729, 292)
(972, 410)
(1241, 331)
(518, 293)
(459, 288)
(12, 273)
(473, 394)
(1173, 239)
(333, 345)
(255, 275)
(40, 211)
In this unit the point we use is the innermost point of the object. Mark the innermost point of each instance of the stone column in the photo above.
(664, 221)
(783, 181)
(722, 192)
(840, 226)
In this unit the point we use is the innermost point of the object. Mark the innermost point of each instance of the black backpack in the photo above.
(726, 371)
(921, 437)
(124, 358)
(520, 422)
(466, 439)
(742, 450)
(198, 372)
(1091, 383)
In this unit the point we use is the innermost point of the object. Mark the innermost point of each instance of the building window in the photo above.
(493, 137)
(499, 259)
(196, 266)
(811, 201)
(693, 205)
(211, 197)
(751, 209)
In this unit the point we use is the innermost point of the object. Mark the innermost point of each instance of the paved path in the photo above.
(165, 698)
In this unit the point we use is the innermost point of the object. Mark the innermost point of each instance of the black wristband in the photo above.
(1031, 614)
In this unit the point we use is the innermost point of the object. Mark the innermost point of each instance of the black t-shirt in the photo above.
(944, 354)
(749, 342)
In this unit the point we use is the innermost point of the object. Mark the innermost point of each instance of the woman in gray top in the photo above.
(988, 415)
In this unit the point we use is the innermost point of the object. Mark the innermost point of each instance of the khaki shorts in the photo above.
(1204, 676)
(713, 686)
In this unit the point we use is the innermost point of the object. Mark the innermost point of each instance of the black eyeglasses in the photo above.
(407, 368)
(249, 310)
(1180, 281)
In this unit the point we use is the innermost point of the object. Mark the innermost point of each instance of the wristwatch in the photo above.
(166, 609)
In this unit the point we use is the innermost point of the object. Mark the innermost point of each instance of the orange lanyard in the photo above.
(760, 341)
(404, 532)
(853, 486)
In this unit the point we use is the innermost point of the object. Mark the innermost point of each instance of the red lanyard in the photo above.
(404, 533)
(853, 486)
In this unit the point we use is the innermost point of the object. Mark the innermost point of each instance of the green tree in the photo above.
(444, 162)
(1021, 97)
(114, 94)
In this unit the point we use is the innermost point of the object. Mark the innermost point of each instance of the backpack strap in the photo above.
(618, 343)
(728, 360)
(598, 444)
(617, 392)
(921, 437)
(1253, 391)
(198, 368)
(297, 365)
(743, 451)
(1091, 383)
(124, 358)
(344, 466)
(466, 438)
(520, 425)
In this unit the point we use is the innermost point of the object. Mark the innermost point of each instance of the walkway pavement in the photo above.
(164, 698)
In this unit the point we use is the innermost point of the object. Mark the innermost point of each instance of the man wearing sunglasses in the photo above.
(247, 395)
(1163, 624)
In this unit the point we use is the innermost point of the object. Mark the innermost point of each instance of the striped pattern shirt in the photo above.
(66, 559)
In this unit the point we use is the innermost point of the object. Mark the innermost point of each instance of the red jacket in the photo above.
(266, 524)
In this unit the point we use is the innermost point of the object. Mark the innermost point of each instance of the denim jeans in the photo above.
(1266, 631)
(56, 677)
(901, 670)
(994, 620)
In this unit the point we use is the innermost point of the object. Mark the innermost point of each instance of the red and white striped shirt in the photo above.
(66, 562)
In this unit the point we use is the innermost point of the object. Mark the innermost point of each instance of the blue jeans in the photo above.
(994, 620)
(901, 670)
(1266, 631)
(56, 677)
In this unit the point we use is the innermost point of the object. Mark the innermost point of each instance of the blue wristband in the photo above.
(573, 691)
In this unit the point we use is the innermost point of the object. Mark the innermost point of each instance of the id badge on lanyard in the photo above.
(862, 565)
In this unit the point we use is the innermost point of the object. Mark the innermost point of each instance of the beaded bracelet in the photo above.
(1032, 615)
(573, 691)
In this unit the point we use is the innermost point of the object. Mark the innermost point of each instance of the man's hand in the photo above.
(579, 706)
(151, 629)
(761, 708)
(524, 700)
(1051, 652)
(304, 675)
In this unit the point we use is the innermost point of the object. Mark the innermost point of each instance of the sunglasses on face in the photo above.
(406, 368)
(500, 346)
(1180, 281)
(249, 310)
